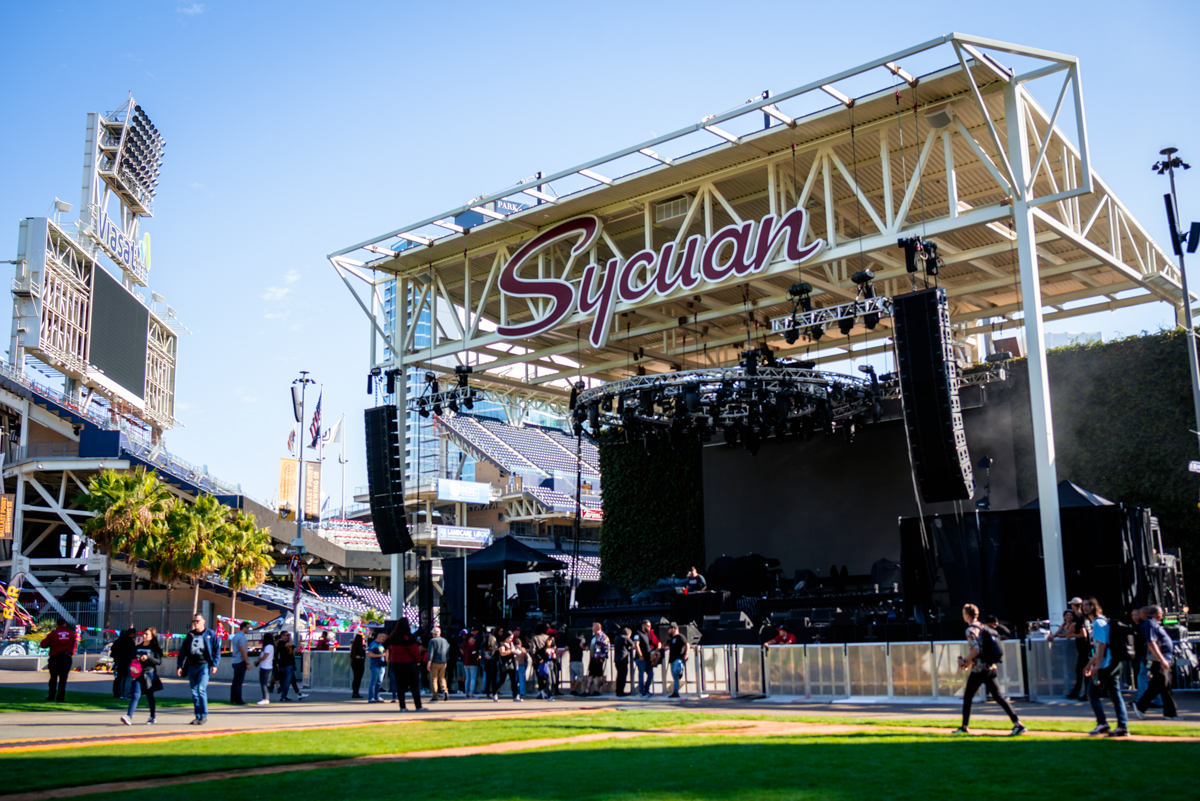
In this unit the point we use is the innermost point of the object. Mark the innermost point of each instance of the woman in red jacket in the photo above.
(404, 659)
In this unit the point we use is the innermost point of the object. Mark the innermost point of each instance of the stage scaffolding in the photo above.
(962, 156)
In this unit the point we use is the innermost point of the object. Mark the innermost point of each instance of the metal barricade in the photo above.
(712, 666)
(786, 671)
(867, 670)
(911, 669)
(1050, 668)
(328, 670)
(748, 670)
(825, 671)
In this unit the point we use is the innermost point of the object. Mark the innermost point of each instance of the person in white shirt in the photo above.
(266, 664)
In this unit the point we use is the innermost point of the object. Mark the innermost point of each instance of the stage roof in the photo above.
(873, 156)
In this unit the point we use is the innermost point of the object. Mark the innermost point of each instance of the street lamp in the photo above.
(298, 388)
(1168, 164)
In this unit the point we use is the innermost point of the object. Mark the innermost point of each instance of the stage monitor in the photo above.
(119, 330)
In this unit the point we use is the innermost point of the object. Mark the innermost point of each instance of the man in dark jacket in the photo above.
(198, 659)
(61, 643)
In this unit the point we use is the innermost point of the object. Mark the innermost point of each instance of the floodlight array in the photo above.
(140, 159)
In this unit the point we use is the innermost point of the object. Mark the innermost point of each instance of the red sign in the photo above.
(736, 250)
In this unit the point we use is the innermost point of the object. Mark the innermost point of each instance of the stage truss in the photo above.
(962, 156)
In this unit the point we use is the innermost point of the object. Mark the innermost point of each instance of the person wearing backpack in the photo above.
(984, 653)
(1103, 668)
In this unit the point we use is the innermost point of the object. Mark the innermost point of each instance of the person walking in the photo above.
(438, 655)
(507, 654)
(623, 649)
(377, 664)
(199, 657)
(1160, 653)
(489, 660)
(543, 652)
(240, 661)
(575, 648)
(148, 657)
(285, 661)
(470, 658)
(61, 642)
(648, 649)
(122, 654)
(521, 643)
(1103, 670)
(598, 650)
(983, 654)
(404, 657)
(677, 656)
(266, 667)
(358, 663)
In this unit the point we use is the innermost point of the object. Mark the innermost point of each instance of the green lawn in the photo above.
(877, 766)
(100, 763)
(15, 699)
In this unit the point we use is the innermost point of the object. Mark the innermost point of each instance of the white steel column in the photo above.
(400, 320)
(1035, 343)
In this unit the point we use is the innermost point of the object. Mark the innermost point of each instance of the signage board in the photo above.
(463, 491)
(288, 481)
(1194, 466)
(735, 251)
(458, 537)
(8, 506)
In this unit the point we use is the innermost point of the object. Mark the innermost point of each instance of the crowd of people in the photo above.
(1106, 650)
(478, 663)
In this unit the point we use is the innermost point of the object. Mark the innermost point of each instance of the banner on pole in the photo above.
(8, 507)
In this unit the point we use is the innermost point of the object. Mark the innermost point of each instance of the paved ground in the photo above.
(337, 708)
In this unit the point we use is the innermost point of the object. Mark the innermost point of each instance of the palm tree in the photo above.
(247, 556)
(167, 562)
(130, 508)
(203, 549)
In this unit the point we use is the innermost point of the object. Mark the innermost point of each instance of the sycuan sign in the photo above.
(735, 251)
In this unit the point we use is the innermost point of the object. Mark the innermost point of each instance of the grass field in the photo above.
(880, 766)
(884, 764)
(14, 699)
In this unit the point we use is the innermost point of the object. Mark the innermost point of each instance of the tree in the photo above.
(247, 556)
(167, 562)
(203, 530)
(130, 508)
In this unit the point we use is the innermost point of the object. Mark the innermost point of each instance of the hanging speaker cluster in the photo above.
(929, 388)
(385, 480)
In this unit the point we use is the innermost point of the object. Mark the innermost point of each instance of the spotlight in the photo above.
(422, 408)
(461, 372)
(792, 333)
(437, 408)
(816, 332)
(846, 325)
(800, 290)
(932, 262)
(871, 319)
(999, 356)
(430, 377)
(863, 276)
(606, 404)
(469, 400)
(867, 368)
(453, 404)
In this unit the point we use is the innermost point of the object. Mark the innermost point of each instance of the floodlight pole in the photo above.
(1169, 162)
(303, 381)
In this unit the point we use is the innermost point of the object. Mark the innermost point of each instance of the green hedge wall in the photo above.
(653, 511)
(1122, 419)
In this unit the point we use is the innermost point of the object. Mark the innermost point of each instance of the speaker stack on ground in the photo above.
(929, 386)
(385, 480)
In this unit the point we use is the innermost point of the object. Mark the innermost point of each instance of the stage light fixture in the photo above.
(469, 400)
(593, 415)
(863, 276)
(791, 334)
(807, 365)
(999, 356)
(911, 246)
(430, 376)
(453, 404)
(422, 408)
(691, 398)
(391, 381)
(461, 372)
(932, 262)
(846, 325)
(437, 407)
(800, 290)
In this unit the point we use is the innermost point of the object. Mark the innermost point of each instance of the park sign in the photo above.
(735, 251)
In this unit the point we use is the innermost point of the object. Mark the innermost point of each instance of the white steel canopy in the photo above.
(963, 157)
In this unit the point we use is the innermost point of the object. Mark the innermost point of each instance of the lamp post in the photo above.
(1167, 165)
(298, 388)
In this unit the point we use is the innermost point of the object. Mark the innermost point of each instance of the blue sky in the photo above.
(294, 129)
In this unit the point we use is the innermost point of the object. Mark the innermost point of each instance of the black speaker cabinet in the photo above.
(929, 388)
(385, 480)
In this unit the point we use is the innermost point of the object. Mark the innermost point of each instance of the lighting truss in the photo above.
(748, 402)
(131, 154)
(831, 314)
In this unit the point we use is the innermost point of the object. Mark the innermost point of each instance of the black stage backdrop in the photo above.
(825, 502)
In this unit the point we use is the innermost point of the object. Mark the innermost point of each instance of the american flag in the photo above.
(314, 430)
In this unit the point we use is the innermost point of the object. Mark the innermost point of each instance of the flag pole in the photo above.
(342, 459)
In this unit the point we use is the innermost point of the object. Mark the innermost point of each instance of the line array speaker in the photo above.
(929, 386)
(385, 480)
